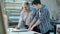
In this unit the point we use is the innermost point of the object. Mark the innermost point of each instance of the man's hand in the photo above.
(31, 28)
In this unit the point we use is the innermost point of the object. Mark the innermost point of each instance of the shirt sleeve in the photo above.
(36, 15)
(45, 15)
(34, 11)
(20, 23)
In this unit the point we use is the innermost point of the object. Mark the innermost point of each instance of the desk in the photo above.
(29, 32)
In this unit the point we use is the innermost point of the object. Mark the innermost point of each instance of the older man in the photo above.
(26, 15)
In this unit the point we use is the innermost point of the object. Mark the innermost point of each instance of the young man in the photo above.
(42, 17)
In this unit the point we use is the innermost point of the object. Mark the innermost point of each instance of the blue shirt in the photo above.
(44, 17)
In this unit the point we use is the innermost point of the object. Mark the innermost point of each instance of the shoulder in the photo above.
(44, 8)
(22, 12)
(32, 8)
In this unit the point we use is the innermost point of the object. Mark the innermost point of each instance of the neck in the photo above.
(27, 10)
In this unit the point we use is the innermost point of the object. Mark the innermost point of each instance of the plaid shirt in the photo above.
(44, 17)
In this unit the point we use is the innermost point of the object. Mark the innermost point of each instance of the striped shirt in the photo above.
(44, 17)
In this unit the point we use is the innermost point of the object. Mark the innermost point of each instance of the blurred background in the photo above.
(11, 11)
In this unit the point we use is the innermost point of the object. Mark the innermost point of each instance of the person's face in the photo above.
(25, 7)
(36, 6)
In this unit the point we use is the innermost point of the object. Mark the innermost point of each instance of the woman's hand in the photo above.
(14, 29)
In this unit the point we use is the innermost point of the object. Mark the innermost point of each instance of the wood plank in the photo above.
(2, 27)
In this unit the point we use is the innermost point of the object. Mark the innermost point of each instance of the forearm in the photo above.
(34, 20)
(37, 23)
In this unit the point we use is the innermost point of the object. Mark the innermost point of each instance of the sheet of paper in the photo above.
(21, 31)
(18, 30)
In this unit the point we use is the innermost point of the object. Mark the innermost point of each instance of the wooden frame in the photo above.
(2, 26)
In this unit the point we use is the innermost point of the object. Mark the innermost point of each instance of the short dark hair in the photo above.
(27, 3)
(36, 2)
